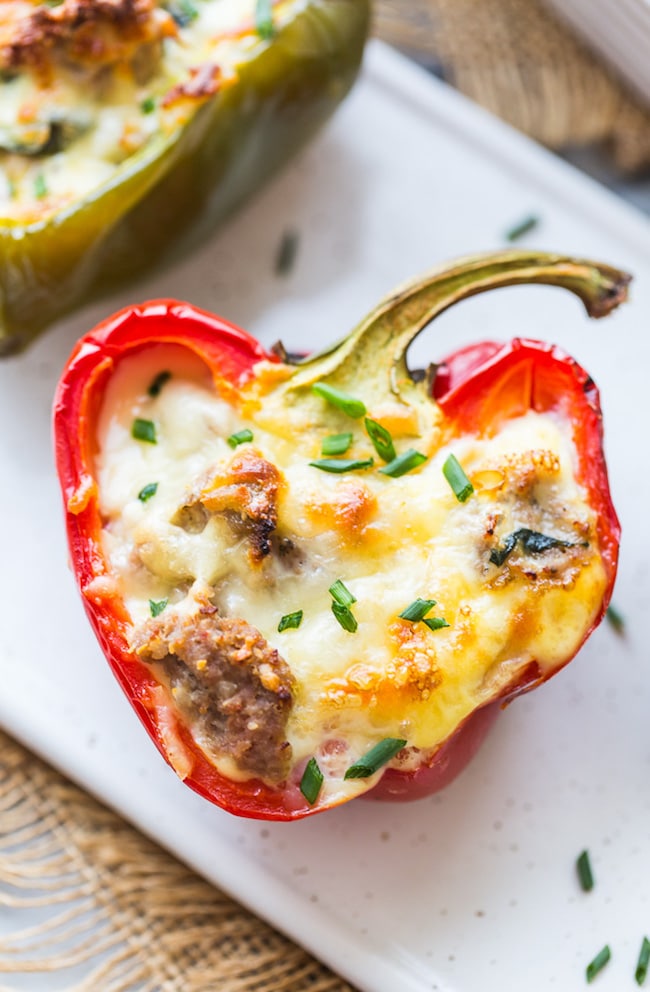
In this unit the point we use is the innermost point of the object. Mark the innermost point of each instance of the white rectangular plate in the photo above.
(475, 888)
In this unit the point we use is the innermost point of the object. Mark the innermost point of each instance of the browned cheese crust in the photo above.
(246, 494)
(231, 688)
(83, 32)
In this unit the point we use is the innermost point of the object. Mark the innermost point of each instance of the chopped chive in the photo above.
(417, 610)
(615, 619)
(144, 430)
(148, 491)
(345, 617)
(157, 607)
(343, 401)
(585, 874)
(455, 476)
(311, 781)
(183, 12)
(435, 623)
(158, 382)
(40, 186)
(525, 225)
(643, 962)
(340, 592)
(598, 963)
(290, 621)
(340, 465)
(376, 757)
(336, 444)
(404, 463)
(381, 439)
(240, 437)
(148, 105)
(532, 543)
(264, 19)
(287, 251)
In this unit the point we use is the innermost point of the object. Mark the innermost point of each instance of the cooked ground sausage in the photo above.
(231, 686)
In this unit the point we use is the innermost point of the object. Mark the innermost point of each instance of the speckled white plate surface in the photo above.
(473, 890)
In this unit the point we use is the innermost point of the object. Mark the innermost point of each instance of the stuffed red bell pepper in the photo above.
(320, 579)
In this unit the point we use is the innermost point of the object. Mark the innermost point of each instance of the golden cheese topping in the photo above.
(87, 84)
(203, 533)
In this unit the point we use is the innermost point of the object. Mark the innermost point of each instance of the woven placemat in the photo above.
(517, 60)
(118, 914)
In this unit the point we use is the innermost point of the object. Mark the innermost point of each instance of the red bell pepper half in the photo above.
(475, 391)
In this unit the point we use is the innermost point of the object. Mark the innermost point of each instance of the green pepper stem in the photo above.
(375, 352)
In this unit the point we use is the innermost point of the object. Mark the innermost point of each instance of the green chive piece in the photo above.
(148, 105)
(345, 617)
(435, 623)
(643, 962)
(518, 230)
(40, 186)
(342, 401)
(241, 437)
(585, 874)
(287, 251)
(264, 19)
(376, 757)
(336, 444)
(290, 621)
(404, 463)
(158, 382)
(455, 476)
(598, 963)
(381, 439)
(417, 610)
(148, 491)
(340, 592)
(340, 465)
(615, 619)
(144, 430)
(183, 12)
(157, 607)
(311, 781)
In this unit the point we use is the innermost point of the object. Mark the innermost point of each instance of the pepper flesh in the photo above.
(286, 87)
(476, 390)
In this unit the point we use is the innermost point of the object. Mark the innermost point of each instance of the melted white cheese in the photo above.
(116, 113)
(391, 678)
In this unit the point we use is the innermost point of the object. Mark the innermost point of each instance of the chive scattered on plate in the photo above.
(643, 962)
(585, 874)
(598, 963)
(523, 227)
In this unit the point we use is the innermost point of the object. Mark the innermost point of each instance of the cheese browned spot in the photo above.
(230, 685)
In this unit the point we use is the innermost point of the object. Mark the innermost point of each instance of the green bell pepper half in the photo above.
(287, 86)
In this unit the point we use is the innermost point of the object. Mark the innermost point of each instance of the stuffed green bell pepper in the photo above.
(122, 120)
